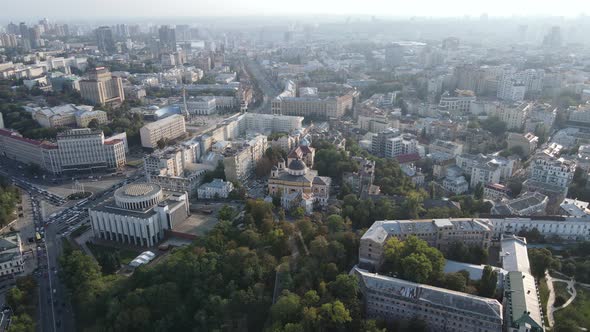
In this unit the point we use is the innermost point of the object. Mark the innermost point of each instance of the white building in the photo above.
(401, 145)
(273, 123)
(169, 128)
(514, 115)
(567, 228)
(215, 189)
(87, 149)
(458, 104)
(511, 88)
(456, 185)
(11, 256)
(139, 214)
(552, 171)
(205, 105)
(527, 204)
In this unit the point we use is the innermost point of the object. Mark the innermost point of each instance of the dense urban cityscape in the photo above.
(290, 174)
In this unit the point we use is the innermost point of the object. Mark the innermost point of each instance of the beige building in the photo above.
(322, 105)
(514, 115)
(170, 128)
(240, 160)
(439, 233)
(102, 88)
(298, 185)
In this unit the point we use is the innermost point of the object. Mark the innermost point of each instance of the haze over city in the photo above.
(322, 166)
(74, 10)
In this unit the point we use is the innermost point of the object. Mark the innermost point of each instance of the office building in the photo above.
(167, 39)
(139, 214)
(102, 88)
(438, 233)
(169, 128)
(11, 255)
(394, 299)
(105, 40)
(75, 150)
(87, 150)
(331, 102)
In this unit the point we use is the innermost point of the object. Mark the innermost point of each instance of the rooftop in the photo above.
(440, 296)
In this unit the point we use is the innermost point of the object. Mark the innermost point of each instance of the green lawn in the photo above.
(127, 255)
(544, 292)
(578, 312)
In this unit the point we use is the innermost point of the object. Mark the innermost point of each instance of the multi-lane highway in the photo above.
(55, 312)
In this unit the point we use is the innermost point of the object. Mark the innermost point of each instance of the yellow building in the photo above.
(298, 186)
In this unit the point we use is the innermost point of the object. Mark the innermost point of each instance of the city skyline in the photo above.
(95, 9)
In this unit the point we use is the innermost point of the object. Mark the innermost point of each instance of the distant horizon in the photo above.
(327, 18)
(116, 10)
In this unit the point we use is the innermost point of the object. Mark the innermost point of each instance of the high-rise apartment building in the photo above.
(105, 40)
(167, 39)
(102, 88)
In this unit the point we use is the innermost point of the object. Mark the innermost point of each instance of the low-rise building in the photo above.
(215, 189)
(457, 185)
(495, 191)
(527, 204)
(451, 148)
(11, 255)
(574, 208)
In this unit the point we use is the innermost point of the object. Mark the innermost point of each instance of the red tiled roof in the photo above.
(16, 136)
(113, 141)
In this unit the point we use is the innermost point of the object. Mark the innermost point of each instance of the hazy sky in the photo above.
(78, 9)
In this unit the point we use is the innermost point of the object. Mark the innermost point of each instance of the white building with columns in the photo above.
(138, 214)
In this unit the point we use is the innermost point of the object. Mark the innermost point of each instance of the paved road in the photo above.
(571, 289)
(55, 312)
(267, 85)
